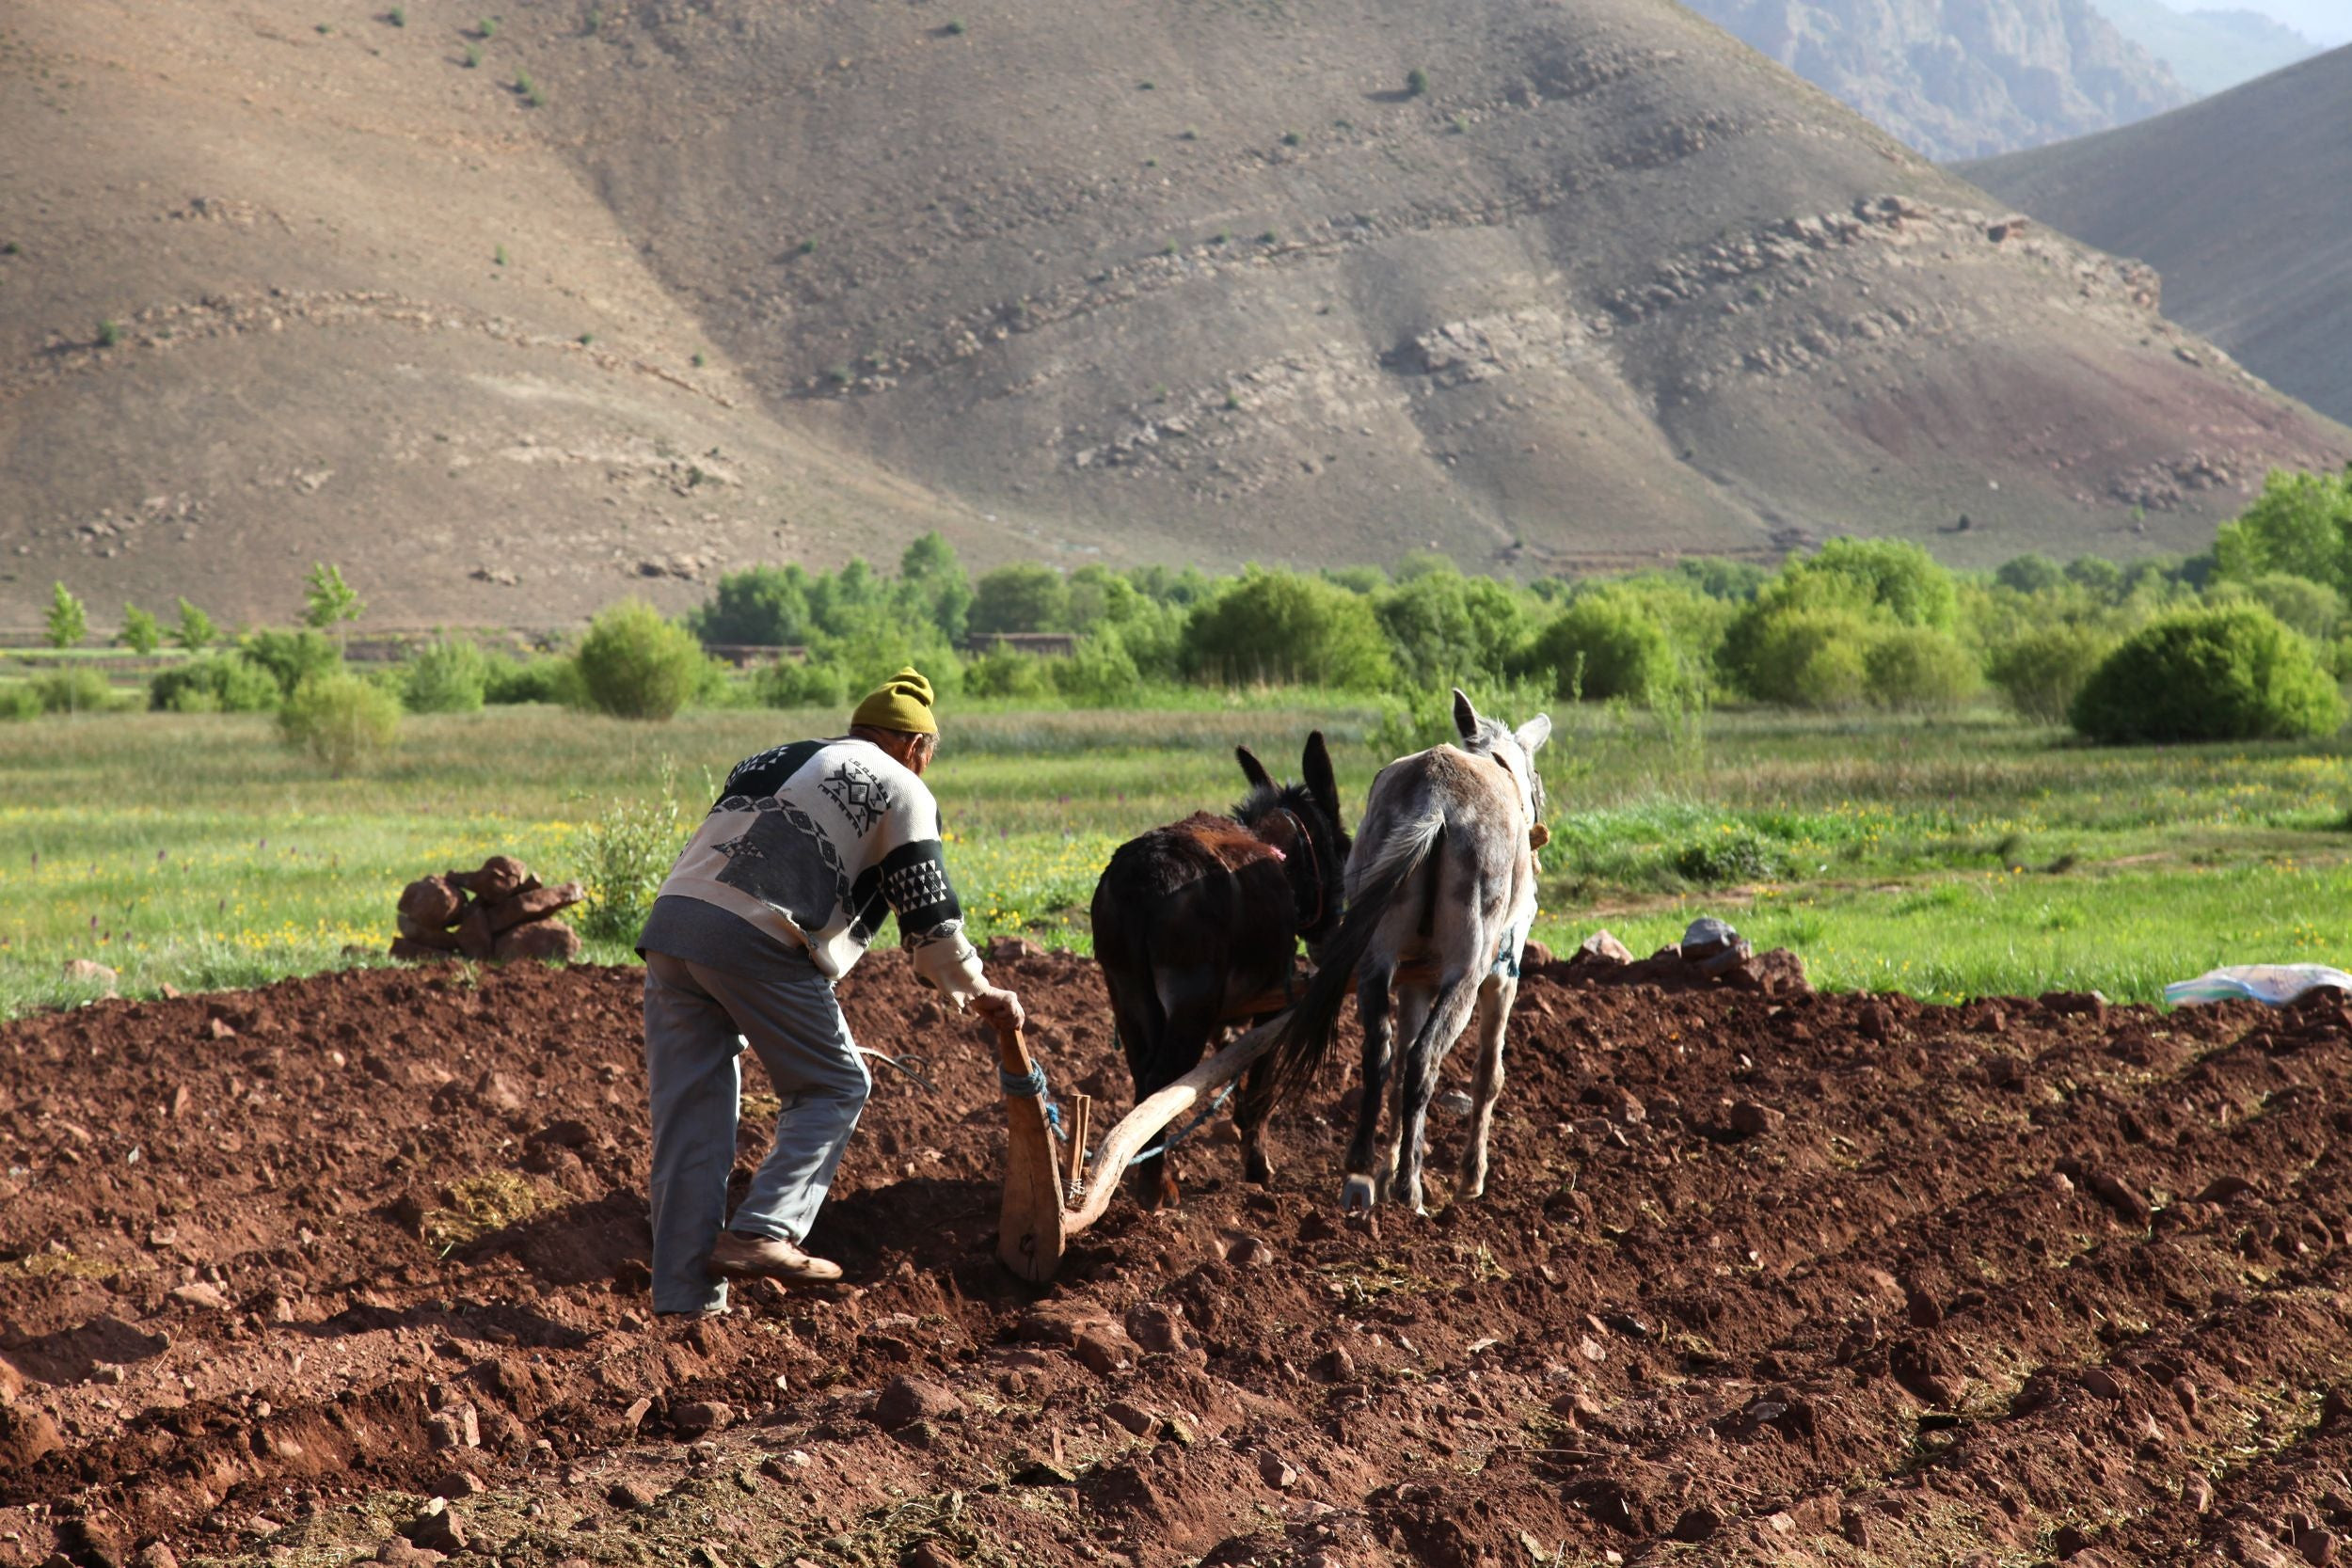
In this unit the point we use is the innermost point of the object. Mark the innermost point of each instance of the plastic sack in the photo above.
(2276, 984)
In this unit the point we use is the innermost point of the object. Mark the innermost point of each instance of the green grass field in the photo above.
(1960, 857)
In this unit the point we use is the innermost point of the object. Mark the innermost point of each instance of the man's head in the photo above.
(897, 717)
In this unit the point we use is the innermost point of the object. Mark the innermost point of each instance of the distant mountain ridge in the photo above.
(2210, 51)
(513, 319)
(2238, 201)
(1962, 78)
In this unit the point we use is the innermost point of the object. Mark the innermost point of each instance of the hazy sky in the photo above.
(2321, 21)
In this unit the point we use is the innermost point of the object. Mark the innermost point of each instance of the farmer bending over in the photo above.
(809, 846)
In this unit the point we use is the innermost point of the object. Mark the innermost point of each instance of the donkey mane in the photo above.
(1323, 837)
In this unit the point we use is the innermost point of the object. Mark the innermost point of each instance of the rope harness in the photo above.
(1032, 1085)
(1315, 868)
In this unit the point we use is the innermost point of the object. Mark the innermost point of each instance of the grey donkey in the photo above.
(1441, 888)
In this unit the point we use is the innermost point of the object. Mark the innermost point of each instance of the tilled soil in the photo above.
(1836, 1279)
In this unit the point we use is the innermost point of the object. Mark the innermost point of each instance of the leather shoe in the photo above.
(736, 1256)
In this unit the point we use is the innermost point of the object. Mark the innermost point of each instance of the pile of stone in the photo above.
(499, 912)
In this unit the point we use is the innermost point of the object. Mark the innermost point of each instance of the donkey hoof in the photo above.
(1356, 1197)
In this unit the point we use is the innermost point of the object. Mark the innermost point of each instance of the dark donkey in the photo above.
(1195, 920)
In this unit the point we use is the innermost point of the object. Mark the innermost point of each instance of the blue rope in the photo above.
(1031, 1085)
(1190, 1128)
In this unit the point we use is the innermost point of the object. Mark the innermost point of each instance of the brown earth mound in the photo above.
(1817, 1280)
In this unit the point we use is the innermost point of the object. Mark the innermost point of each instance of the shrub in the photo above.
(1805, 657)
(2041, 672)
(1917, 669)
(1282, 626)
(1735, 854)
(450, 675)
(109, 333)
(142, 632)
(538, 680)
(2311, 608)
(2234, 672)
(625, 854)
(1417, 83)
(1604, 646)
(2030, 574)
(1006, 673)
(216, 683)
(791, 683)
(292, 657)
(18, 700)
(1101, 672)
(633, 664)
(339, 718)
(74, 692)
(1446, 629)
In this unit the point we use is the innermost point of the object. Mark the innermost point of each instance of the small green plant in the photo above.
(109, 333)
(1232, 399)
(840, 375)
(325, 29)
(1188, 133)
(486, 29)
(196, 631)
(329, 603)
(474, 57)
(397, 16)
(1269, 237)
(142, 632)
(9, 247)
(807, 247)
(1457, 126)
(1151, 163)
(586, 338)
(633, 664)
(68, 623)
(498, 257)
(1146, 85)
(1417, 83)
(339, 718)
(1291, 138)
(595, 20)
(956, 28)
(529, 90)
(449, 676)
(1170, 248)
(1224, 236)
(74, 692)
(624, 856)
(701, 359)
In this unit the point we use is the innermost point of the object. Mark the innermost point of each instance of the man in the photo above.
(808, 848)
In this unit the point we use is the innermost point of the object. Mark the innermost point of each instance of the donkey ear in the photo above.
(1315, 765)
(1465, 716)
(1252, 769)
(1535, 733)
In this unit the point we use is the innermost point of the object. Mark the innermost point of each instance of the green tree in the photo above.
(450, 675)
(1025, 596)
(1603, 646)
(2311, 608)
(763, 607)
(292, 656)
(196, 631)
(1280, 626)
(327, 601)
(633, 664)
(2030, 574)
(68, 621)
(142, 632)
(1446, 629)
(2301, 523)
(2226, 673)
(931, 571)
(1917, 669)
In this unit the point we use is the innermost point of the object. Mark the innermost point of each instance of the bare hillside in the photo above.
(2251, 230)
(1164, 279)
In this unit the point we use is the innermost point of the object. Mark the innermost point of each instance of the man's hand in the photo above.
(1001, 1008)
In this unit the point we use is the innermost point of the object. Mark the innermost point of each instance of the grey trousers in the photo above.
(694, 1015)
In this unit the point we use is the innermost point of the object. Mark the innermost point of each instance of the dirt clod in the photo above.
(906, 1399)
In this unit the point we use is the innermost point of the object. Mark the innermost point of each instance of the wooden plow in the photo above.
(1052, 1190)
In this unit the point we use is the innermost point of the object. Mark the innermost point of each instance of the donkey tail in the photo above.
(1303, 1040)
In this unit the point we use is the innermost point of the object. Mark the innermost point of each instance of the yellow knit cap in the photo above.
(902, 702)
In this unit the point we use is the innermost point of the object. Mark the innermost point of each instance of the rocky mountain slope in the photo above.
(2210, 51)
(609, 296)
(2251, 232)
(1962, 78)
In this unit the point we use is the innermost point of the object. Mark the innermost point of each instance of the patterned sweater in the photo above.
(814, 844)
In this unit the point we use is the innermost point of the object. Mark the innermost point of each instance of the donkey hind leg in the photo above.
(1448, 1015)
(1488, 1025)
(1359, 1191)
(1412, 1011)
(1190, 999)
(1250, 1111)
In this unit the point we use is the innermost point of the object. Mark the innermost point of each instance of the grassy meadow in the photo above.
(1959, 856)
